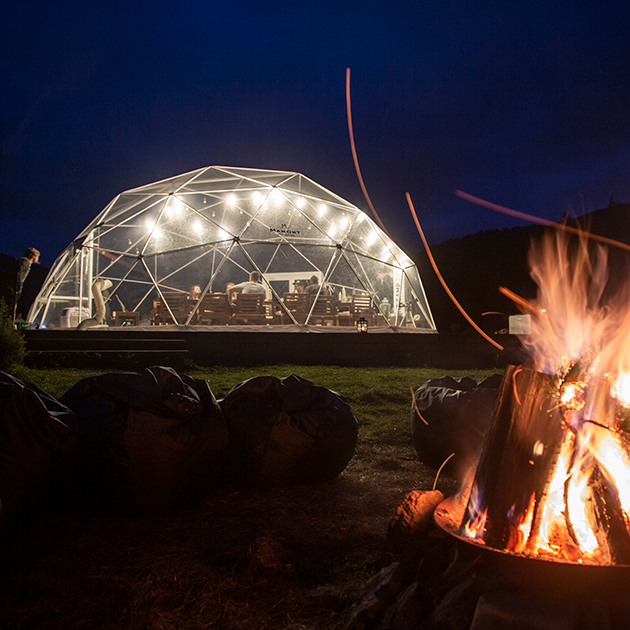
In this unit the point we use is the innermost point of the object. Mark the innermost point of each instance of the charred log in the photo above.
(609, 523)
(519, 454)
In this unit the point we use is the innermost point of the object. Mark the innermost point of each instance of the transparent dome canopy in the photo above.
(214, 226)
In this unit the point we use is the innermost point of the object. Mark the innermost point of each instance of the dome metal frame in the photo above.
(215, 225)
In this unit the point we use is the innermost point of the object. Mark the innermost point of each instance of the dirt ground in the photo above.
(290, 558)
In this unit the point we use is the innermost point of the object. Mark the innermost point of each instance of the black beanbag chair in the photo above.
(149, 443)
(287, 431)
(37, 438)
(458, 412)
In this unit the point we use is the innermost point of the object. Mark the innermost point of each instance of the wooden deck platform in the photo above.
(135, 346)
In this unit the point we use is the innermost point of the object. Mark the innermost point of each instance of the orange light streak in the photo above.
(443, 282)
(518, 299)
(514, 389)
(356, 159)
(413, 398)
(541, 221)
(440, 470)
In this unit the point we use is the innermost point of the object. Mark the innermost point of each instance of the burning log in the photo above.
(517, 461)
(609, 523)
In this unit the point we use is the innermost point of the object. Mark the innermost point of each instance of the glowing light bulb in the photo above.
(275, 197)
(231, 199)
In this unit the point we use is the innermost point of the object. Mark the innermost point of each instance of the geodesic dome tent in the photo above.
(217, 224)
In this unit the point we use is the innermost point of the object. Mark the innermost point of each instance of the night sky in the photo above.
(523, 104)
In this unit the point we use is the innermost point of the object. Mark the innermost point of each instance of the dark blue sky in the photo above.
(525, 106)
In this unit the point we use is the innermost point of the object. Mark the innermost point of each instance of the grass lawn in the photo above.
(272, 558)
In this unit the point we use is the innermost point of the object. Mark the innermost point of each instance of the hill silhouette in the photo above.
(475, 266)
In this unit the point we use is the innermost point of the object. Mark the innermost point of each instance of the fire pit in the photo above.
(553, 479)
(449, 516)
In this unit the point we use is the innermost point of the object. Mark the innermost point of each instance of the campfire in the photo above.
(546, 514)
(553, 479)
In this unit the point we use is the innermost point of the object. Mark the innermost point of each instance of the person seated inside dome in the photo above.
(313, 286)
(252, 285)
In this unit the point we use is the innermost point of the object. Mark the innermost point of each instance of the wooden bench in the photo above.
(324, 311)
(296, 307)
(178, 304)
(249, 308)
(214, 309)
(361, 306)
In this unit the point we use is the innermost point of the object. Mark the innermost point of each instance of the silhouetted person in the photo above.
(22, 269)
